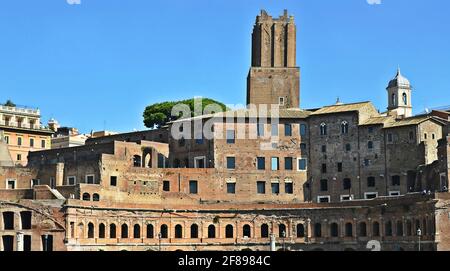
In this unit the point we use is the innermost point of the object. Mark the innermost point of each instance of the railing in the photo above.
(22, 125)
(10, 109)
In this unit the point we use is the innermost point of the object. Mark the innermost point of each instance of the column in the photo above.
(308, 230)
(19, 241)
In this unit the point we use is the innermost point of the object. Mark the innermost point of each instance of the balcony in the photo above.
(21, 125)
(19, 110)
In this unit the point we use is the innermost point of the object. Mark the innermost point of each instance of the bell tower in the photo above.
(274, 77)
(399, 96)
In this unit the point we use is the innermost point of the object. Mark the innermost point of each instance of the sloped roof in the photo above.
(413, 121)
(340, 108)
(378, 120)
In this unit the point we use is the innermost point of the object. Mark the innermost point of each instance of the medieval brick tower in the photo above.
(274, 77)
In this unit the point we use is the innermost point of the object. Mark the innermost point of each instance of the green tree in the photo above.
(10, 103)
(159, 114)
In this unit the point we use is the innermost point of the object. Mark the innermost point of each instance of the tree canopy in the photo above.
(159, 114)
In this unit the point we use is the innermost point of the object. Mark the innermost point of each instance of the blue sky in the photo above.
(98, 64)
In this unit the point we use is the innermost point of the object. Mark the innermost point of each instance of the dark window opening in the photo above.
(229, 231)
(25, 217)
(113, 181)
(334, 230)
(318, 230)
(231, 188)
(349, 230)
(396, 180)
(371, 182)
(246, 231)
(282, 231)
(86, 197)
(8, 220)
(150, 231)
(211, 231)
(194, 231)
(261, 163)
(178, 231)
(166, 186)
(347, 184)
(47, 242)
(264, 231)
(112, 231)
(8, 243)
(376, 229)
(288, 188)
(300, 231)
(193, 187)
(231, 162)
(101, 231)
(261, 187)
(324, 185)
(324, 168)
(339, 166)
(124, 231)
(164, 231)
(288, 163)
(27, 243)
(362, 229)
(137, 231)
(90, 230)
(96, 197)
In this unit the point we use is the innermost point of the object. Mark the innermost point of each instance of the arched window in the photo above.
(417, 226)
(408, 228)
(90, 230)
(318, 230)
(178, 231)
(344, 127)
(323, 129)
(124, 231)
(334, 230)
(300, 231)
(150, 231)
(370, 145)
(349, 230)
(96, 197)
(405, 99)
(211, 231)
(362, 229)
(86, 196)
(388, 228)
(246, 231)
(101, 231)
(112, 231)
(229, 231)
(376, 229)
(194, 231)
(164, 231)
(394, 99)
(399, 228)
(282, 231)
(137, 161)
(264, 231)
(137, 231)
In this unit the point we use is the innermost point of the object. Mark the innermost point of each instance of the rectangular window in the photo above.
(193, 187)
(260, 129)
(394, 193)
(261, 163)
(19, 141)
(200, 162)
(199, 141)
(281, 101)
(289, 188)
(275, 188)
(395, 180)
(324, 148)
(71, 180)
(90, 179)
(7, 139)
(231, 162)
(302, 129)
(275, 129)
(43, 144)
(261, 187)
(19, 157)
(339, 167)
(390, 137)
(348, 147)
(303, 147)
(52, 182)
(366, 162)
(370, 130)
(35, 182)
(324, 168)
(230, 137)
(323, 199)
(166, 186)
(275, 163)
(324, 185)
(371, 195)
(288, 163)
(31, 142)
(10, 184)
(113, 181)
(347, 184)
(161, 161)
(231, 188)
(346, 197)
(287, 129)
(371, 182)
(302, 164)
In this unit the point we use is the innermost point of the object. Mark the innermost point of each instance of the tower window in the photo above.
(405, 99)
(323, 129)
(344, 127)
(281, 101)
(394, 99)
